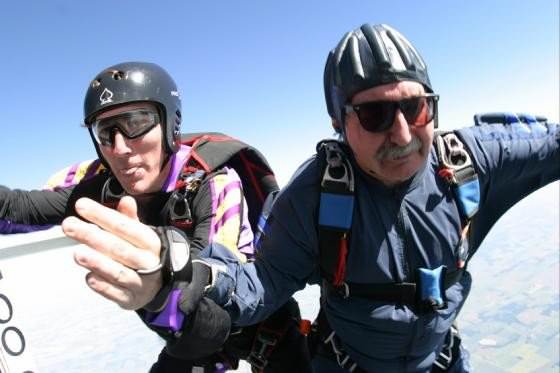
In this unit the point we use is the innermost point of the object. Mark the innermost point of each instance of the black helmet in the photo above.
(129, 82)
(369, 56)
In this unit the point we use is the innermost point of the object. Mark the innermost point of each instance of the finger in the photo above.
(121, 225)
(121, 296)
(108, 244)
(117, 282)
(127, 298)
(127, 206)
(103, 266)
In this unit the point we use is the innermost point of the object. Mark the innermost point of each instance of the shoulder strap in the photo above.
(336, 207)
(457, 169)
(212, 150)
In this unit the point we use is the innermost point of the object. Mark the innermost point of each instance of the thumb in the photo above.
(193, 291)
(127, 206)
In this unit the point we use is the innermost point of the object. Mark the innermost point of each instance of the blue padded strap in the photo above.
(335, 211)
(468, 196)
(430, 284)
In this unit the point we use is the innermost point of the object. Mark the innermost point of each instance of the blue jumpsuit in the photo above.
(394, 231)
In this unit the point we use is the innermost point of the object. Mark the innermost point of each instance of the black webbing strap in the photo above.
(402, 293)
(335, 209)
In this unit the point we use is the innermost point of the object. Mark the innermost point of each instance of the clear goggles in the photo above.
(131, 124)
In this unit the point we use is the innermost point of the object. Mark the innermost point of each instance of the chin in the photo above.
(394, 176)
(134, 187)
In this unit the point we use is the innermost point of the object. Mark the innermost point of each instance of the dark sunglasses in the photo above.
(379, 116)
(131, 124)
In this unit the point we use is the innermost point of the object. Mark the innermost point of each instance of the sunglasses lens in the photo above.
(418, 111)
(376, 116)
(130, 124)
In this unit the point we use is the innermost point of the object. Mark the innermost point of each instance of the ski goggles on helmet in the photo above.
(379, 116)
(131, 124)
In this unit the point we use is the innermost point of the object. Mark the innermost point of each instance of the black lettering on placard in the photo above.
(12, 341)
(10, 309)
(5, 343)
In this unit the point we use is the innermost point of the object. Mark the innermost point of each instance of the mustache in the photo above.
(389, 151)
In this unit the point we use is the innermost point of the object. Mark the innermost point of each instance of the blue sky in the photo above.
(253, 69)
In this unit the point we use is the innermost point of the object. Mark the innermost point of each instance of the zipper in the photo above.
(403, 234)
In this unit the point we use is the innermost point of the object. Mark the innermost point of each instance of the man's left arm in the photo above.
(511, 162)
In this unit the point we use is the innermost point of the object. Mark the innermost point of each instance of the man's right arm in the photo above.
(286, 259)
(31, 208)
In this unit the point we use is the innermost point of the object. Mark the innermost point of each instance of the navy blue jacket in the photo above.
(394, 231)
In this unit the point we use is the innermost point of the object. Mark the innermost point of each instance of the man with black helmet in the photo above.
(385, 219)
(133, 114)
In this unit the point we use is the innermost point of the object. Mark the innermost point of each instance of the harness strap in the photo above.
(329, 345)
(266, 339)
(335, 210)
(450, 351)
(457, 169)
(401, 293)
(270, 333)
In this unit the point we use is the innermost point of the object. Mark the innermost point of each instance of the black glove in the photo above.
(204, 331)
(205, 325)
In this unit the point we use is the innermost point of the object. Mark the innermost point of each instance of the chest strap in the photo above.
(400, 293)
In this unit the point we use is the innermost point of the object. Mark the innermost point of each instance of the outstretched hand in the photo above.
(117, 245)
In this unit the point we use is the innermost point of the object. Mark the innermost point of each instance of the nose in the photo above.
(399, 133)
(120, 147)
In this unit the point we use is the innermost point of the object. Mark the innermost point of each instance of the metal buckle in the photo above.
(336, 161)
(194, 180)
(178, 207)
(342, 358)
(257, 361)
(258, 358)
(452, 153)
(443, 361)
(343, 290)
(108, 193)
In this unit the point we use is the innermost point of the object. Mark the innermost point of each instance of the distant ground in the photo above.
(511, 320)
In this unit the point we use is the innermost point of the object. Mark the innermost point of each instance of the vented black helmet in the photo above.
(130, 82)
(367, 57)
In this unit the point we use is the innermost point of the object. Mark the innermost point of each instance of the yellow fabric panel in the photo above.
(58, 179)
(228, 233)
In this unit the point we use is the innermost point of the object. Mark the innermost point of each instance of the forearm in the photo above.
(504, 156)
(37, 207)
(251, 291)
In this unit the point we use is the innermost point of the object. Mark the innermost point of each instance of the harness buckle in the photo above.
(342, 358)
(193, 180)
(112, 192)
(452, 154)
(339, 170)
(445, 357)
(258, 357)
(178, 208)
(343, 290)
